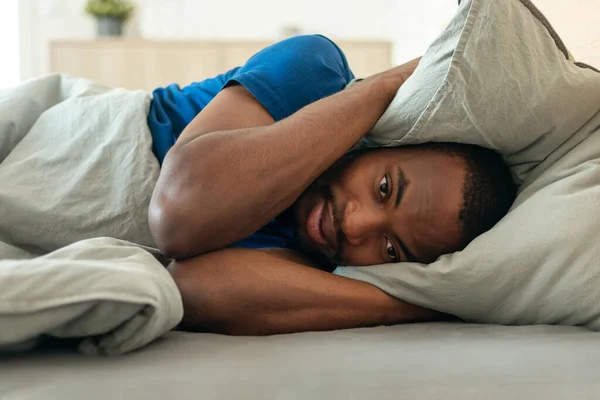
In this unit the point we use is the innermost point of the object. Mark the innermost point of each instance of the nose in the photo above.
(360, 223)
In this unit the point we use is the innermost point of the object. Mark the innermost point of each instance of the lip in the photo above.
(328, 228)
(314, 224)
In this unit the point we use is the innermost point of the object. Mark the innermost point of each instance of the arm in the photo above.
(257, 292)
(233, 170)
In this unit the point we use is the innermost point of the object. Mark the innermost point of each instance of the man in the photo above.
(256, 196)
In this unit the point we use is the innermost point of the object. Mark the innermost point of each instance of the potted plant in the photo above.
(110, 15)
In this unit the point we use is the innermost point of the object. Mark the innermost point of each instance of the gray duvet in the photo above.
(77, 170)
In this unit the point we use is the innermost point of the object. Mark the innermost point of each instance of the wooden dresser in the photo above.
(144, 64)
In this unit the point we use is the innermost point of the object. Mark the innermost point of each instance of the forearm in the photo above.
(227, 292)
(217, 188)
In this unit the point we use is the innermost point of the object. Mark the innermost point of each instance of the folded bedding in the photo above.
(113, 295)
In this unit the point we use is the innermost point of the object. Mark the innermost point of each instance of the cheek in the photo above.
(357, 187)
(366, 254)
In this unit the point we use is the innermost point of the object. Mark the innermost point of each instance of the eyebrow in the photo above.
(401, 185)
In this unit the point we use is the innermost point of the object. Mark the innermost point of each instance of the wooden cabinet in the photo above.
(142, 64)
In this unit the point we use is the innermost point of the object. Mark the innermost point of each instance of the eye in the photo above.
(391, 251)
(384, 187)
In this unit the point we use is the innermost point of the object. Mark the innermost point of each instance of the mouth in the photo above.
(328, 228)
(320, 229)
(314, 224)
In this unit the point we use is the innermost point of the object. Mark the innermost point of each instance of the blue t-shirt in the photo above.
(283, 77)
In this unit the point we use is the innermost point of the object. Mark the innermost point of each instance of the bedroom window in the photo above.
(9, 43)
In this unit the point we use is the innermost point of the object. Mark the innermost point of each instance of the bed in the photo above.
(436, 360)
(125, 301)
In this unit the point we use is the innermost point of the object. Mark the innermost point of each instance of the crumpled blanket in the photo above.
(76, 254)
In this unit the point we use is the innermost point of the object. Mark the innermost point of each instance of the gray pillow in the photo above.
(500, 77)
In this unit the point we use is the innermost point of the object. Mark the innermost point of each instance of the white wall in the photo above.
(9, 44)
(394, 20)
(578, 24)
(410, 24)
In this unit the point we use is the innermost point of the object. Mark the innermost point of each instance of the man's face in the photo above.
(385, 205)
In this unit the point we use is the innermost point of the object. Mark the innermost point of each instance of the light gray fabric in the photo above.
(508, 85)
(116, 294)
(423, 361)
(499, 78)
(76, 163)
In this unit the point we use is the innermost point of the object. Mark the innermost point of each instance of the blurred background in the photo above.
(147, 43)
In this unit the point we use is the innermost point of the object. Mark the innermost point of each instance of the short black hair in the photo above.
(488, 189)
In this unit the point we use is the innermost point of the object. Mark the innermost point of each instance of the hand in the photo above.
(391, 80)
(395, 77)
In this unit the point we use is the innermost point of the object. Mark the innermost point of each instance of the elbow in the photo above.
(162, 222)
(168, 219)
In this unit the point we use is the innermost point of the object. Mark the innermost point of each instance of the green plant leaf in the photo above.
(121, 9)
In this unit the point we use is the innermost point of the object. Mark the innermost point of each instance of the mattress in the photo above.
(437, 360)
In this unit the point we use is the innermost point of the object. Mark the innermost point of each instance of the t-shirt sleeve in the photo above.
(293, 73)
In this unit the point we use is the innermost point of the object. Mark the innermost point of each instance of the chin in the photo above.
(309, 249)
(302, 209)
(323, 262)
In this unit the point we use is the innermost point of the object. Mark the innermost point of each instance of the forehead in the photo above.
(431, 222)
(434, 200)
